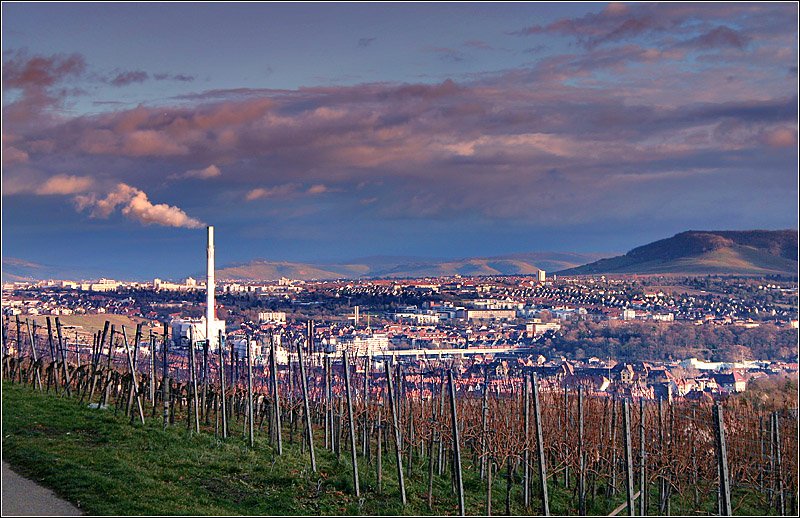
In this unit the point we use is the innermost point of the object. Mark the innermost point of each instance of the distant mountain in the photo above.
(748, 252)
(21, 270)
(405, 267)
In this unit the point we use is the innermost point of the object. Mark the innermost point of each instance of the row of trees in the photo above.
(652, 341)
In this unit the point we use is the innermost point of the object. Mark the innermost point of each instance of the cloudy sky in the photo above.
(316, 132)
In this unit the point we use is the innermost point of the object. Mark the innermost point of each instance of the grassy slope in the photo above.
(106, 466)
(739, 260)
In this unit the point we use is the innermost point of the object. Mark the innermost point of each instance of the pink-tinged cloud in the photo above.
(135, 205)
(278, 191)
(317, 189)
(211, 171)
(38, 78)
(64, 184)
(21, 71)
(781, 137)
(12, 155)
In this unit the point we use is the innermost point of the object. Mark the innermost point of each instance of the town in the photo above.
(629, 336)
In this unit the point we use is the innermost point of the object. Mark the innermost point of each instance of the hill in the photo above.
(403, 267)
(749, 252)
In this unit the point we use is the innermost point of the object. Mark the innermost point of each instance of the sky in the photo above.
(327, 132)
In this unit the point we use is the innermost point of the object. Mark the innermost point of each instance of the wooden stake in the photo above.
(626, 423)
(722, 462)
(396, 432)
(134, 385)
(276, 397)
(351, 423)
(456, 445)
(537, 416)
(249, 392)
(306, 412)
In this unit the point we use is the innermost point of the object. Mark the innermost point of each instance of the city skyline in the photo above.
(316, 132)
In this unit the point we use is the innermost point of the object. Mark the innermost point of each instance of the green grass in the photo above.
(106, 466)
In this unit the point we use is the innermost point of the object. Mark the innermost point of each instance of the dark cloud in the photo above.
(129, 77)
(446, 54)
(185, 78)
(365, 42)
(620, 22)
(478, 44)
(718, 37)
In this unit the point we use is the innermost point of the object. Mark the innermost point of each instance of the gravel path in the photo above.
(23, 497)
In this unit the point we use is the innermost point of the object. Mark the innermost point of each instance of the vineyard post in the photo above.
(670, 445)
(275, 395)
(290, 397)
(234, 379)
(763, 452)
(165, 396)
(204, 405)
(662, 481)
(193, 377)
(136, 338)
(221, 352)
(490, 466)
(537, 416)
(396, 433)
(378, 453)
(430, 469)
(626, 419)
(107, 386)
(95, 359)
(306, 411)
(134, 384)
(53, 358)
(365, 436)
(642, 466)
(64, 357)
(152, 370)
(566, 436)
(440, 449)
(353, 455)
(484, 420)
(781, 504)
(526, 487)
(456, 445)
(249, 391)
(337, 428)
(326, 400)
(722, 462)
(35, 358)
(613, 485)
(19, 347)
(581, 457)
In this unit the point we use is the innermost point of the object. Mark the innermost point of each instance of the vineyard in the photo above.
(517, 445)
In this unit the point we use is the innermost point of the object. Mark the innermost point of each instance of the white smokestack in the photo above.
(210, 288)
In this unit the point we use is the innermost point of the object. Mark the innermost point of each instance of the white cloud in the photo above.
(136, 206)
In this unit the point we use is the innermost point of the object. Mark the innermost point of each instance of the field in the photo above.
(90, 324)
(97, 460)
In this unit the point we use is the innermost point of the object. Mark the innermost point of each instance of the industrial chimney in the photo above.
(210, 332)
